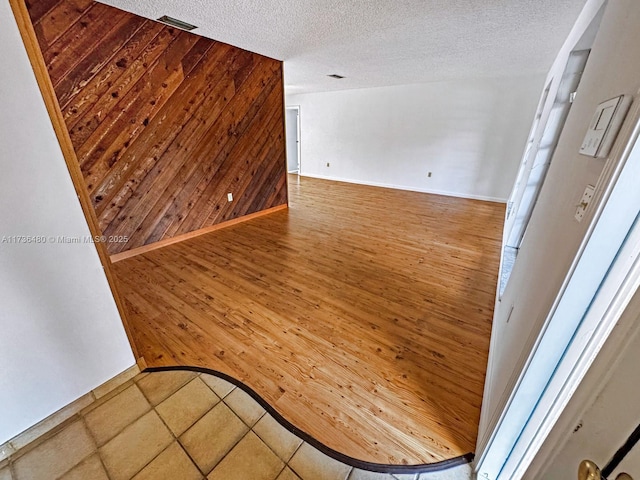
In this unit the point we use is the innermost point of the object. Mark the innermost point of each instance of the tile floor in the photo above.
(182, 425)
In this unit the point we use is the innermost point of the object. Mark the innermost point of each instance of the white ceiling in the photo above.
(381, 42)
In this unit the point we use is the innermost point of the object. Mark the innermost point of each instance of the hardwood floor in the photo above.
(362, 315)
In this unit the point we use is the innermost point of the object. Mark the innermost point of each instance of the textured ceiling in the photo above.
(381, 42)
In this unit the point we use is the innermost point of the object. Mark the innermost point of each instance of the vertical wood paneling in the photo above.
(164, 123)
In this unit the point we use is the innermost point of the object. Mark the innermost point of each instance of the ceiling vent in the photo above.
(174, 22)
(335, 75)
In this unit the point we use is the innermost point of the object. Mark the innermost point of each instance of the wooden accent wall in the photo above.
(164, 122)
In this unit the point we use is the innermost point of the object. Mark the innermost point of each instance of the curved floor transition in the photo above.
(184, 425)
(222, 390)
(360, 317)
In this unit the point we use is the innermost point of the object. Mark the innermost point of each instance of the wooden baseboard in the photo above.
(50, 424)
(196, 233)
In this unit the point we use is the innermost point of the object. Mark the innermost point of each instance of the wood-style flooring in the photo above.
(362, 315)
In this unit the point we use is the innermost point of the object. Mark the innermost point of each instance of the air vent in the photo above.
(174, 22)
(335, 75)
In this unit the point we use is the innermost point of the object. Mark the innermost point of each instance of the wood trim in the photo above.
(142, 363)
(196, 233)
(38, 64)
(284, 120)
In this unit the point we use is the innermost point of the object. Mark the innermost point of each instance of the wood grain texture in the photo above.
(361, 314)
(164, 123)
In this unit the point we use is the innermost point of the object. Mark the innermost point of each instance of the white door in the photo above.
(607, 432)
(293, 139)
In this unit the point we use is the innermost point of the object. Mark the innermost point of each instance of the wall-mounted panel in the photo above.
(165, 123)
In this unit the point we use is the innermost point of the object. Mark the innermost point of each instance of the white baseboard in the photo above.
(410, 189)
(43, 427)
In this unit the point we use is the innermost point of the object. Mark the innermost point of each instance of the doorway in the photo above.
(292, 123)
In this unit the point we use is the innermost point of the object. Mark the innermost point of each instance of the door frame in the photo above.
(299, 149)
(618, 278)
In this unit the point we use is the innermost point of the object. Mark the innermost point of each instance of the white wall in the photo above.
(61, 334)
(553, 236)
(469, 133)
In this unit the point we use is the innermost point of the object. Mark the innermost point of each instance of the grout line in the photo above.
(177, 438)
(197, 419)
(118, 432)
(234, 445)
(284, 467)
(293, 455)
(236, 414)
(170, 395)
(95, 441)
(211, 388)
(184, 449)
(159, 453)
(348, 473)
(286, 464)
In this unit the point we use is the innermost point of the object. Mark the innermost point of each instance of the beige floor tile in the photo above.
(461, 472)
(110, 418)
(358, 474)
(5, 474)
(287, 474)
(311, 464)
(57, 455)
(172, 464)
(406, 476)
(183, 408)
(221, 387)
(89, 469)
(213, 436)
(135, 446)
(250, 459)
(160, 385)
(244, 406)
(279, 439)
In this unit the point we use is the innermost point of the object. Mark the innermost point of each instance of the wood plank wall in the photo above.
(164, 122)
